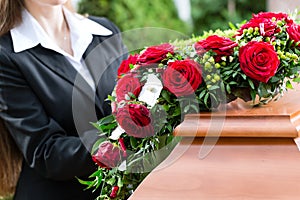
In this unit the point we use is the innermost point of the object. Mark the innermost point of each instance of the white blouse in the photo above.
(30, 33)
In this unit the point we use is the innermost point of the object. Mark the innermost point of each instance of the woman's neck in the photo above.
(52, 20)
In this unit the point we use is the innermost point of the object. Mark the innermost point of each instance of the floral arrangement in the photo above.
(256, 61)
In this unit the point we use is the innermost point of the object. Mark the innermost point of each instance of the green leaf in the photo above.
(166, 107)
(274, 79)
(253, 95)
(297, 80)
(227, 73)
(202, 93)
(234, 74)
(88, 183)
(166, 96)
(111, 98)
(264, 90)
(170, 128)
(195, 108)
(97, 173)
(228, 89)
(232, 26)
(289, 85)
(232, 83)
(206, 99)
(111, 181)
(244, 76)
(176, 112)
(251, 84)
(133, 142)
(186, 109)
(104, 121)
(97, 143)
(107, 119)
(213, 87)
(120, 181)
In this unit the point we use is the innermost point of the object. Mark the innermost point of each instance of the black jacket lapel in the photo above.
(103, 58)
(62, 67)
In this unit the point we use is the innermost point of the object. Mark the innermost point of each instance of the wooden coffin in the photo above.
(244, 152)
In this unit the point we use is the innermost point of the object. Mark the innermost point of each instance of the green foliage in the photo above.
(214, 14)
(206, 14)
(129, 14)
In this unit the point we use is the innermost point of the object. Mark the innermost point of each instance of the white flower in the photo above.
(115, 135)
(151, 90)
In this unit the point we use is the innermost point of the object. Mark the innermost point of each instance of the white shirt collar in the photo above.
(29, 33)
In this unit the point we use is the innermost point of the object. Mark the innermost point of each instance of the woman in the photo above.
(56, 70)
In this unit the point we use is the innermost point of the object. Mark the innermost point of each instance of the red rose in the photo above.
(220, 45)
(182, 77)
(294, 32)
(125, 65)
(126, 86)
(135, 119)
(267, 27)
(258, 60)
(114, 192)
(155, 54)
(271, 15)
(108, 155)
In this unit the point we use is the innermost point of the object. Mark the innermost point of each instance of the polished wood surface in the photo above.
(246, 153)
(239, 119)
(236, 168)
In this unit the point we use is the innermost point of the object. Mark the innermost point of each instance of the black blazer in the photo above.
(46, 105)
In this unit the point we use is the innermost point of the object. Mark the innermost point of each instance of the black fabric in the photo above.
(47, 105)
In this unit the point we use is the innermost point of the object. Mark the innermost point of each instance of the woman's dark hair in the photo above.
(11, 160)
(10, 156)
(10, 14)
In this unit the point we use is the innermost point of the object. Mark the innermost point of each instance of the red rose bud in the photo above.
(155, 54)
(258, 60)
(182, 77)
(123, 147)
(135, 119)
(126, 86)
(114, 192)
(125, 65)
(108, 155)
(294, 32)
(222, 46)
